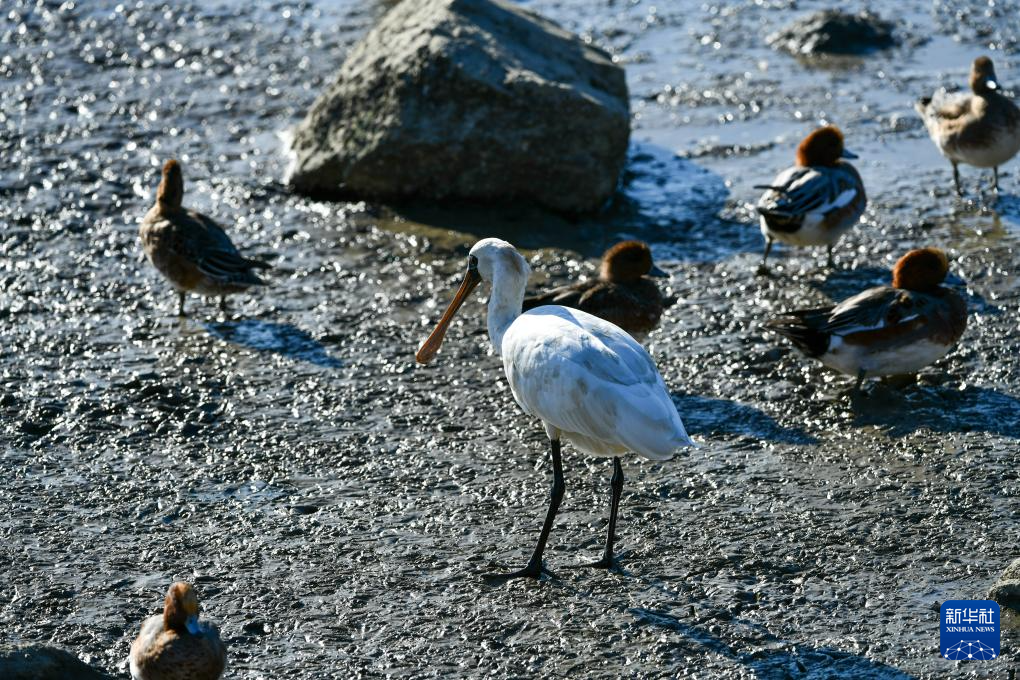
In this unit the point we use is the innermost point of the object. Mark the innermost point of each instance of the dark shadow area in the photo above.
(526, 226)
(278, 338)
(773, 657)
(663, 199)
(1007, 205)
(939, 409)
(709, 416)
(676, 204)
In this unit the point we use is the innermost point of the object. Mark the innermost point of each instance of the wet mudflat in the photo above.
(335, 504)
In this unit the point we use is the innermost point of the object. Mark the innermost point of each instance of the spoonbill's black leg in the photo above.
(180, 304)
(995, 183)
(223, 303)
(830, 263)
(534, 568)
(860, 381)
(956, 179)
(616, 484)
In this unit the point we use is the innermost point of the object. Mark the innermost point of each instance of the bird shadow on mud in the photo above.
(900, 412)
(772, 657)
(710, 416)
(662, 198)
(677, 204)
(277, 338)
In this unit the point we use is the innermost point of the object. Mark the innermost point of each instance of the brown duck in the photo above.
(817, 200)
(174, 645)
(189, 249)
(886, 330)
(622, 294)
(980, 129)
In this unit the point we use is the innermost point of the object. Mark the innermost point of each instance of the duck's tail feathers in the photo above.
(799, 329)
(777, 220)
(230, 267)
(258, 264)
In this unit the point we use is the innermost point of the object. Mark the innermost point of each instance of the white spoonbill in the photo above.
(587, 380)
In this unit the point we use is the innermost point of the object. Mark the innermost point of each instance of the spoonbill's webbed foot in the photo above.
(535, 569)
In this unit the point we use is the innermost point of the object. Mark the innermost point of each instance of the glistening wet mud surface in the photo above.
(335, 504)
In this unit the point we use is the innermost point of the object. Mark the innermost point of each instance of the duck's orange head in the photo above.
(171, 188)
(921, 269)
(627, 262)
(823, 147)
(982, 76)
(180, 609)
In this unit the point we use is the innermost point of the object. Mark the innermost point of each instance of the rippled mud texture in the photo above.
(335, 505)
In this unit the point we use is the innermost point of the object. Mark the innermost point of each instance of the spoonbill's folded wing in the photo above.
(593, 382)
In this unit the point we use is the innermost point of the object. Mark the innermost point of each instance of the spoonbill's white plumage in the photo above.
(588, 381)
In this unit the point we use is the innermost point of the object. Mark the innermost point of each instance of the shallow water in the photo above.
(335, 504)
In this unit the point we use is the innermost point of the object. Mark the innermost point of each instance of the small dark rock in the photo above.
(42, 662)
(256, 627)
(833, 32)
(1006, 590)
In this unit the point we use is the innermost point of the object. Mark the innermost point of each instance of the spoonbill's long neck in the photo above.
(504, 303)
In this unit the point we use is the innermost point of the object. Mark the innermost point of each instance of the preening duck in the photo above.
(623, 293)
(886, 330)
(817, 200)
(588, 381)
(980, 129)
(175, 645)
(189, 249)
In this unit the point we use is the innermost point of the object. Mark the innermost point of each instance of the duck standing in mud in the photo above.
(588, 381)
(980, 129)
(817, 200)
(189, 249)
(623, 294)
(174, 645)
(886, 330)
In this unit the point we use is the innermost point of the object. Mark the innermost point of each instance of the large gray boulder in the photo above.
(42, 662)
(468, 99)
